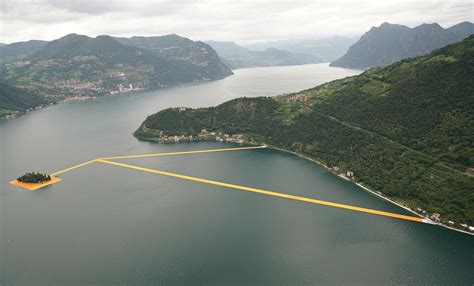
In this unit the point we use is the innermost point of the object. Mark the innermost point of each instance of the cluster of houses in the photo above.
(176, 139)
(204, 135)
(348, 175)
(125, 88)
(298, 98)
(10, 115)
(436, 217)
(221, 137)
(236, 138)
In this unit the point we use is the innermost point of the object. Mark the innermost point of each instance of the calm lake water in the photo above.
(109, 225)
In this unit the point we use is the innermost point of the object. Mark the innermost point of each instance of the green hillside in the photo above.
(405, 130)
(77, 65)
(196, 56)
(13, 100)
(19, 50)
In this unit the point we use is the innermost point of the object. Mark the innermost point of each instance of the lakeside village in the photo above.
(123, 89)
(434, 217)
(204, 135)
(72, 98)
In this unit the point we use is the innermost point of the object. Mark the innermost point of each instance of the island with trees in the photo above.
(34, 178)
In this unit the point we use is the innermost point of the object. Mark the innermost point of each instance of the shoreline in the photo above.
(426, 219)
(17, 114)
(360, 185)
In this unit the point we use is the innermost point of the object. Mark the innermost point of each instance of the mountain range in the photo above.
(327, 49)
(19, 50)
(404, 131)
(236, 56)
(78, 65)
(389, 43)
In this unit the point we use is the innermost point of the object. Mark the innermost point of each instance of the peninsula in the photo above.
(404, 131)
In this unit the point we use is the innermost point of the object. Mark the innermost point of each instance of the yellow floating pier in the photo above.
(265, 192)
(35, 186)
(184, 152)
(106, 160)
(73, 167)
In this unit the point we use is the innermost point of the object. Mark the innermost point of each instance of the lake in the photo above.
(109, 225)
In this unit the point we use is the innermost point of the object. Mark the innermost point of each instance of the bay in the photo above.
(109, 225)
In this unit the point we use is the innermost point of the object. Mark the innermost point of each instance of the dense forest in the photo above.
(13, 100)
(405, 130)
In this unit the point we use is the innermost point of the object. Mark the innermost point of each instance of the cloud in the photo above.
(234, 20)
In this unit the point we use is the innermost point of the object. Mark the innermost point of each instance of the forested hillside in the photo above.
(14, 100)
(405, 130)
(78, 65)
(19, 50)
(197, 57)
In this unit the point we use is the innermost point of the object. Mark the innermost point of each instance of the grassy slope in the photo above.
(405, 130)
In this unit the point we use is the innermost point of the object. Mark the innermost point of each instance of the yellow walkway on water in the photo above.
(106, 160)
(184, 152)
(264, 192)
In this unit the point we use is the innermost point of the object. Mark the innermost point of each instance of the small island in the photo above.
(34, 178)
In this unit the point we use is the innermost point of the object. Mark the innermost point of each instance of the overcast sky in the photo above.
(243, 21)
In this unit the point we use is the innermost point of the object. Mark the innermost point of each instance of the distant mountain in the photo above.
(463, 29)
(405, 130)
(278, 44)
(197, 56)
(236, 56)
(77, 65)
(14, 100)
(389, 43)
(268, 58)
(327, 49)
(19, 50)
(227, 49)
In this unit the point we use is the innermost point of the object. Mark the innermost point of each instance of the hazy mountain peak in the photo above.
(386, 25)
(388, 43)
(227, 48)
(432, 27)
(463, 29)
(73, 36)
(19, 50)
